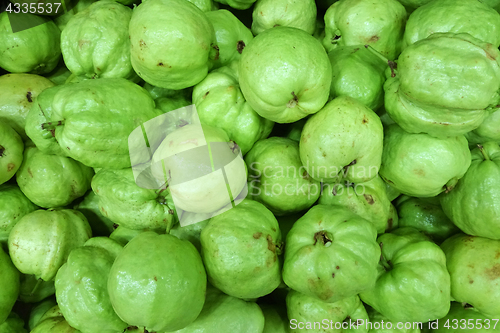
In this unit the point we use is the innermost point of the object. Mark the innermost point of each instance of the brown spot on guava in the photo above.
(337, 267)
(493, 273)
(369, 199)
(2, 150)
(156, 279)
(28, 96)
(240, 46)
(257, 235)
(270, 245)
(333, 275)
(30, 173)
(364, 120)
(293, 102)
(471, 281)
(389, 224)
(206, 94)
(10, 167)
(374, 39)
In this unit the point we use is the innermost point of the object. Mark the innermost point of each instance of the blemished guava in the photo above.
(342, 140)
(322, 257)
(240, 249)
(285, 74)
(13, 205)
(35, 50)
(421, 165)
(41, 241)
(413, 284)
(95, 41)
(17, 93)
(473, 263)
(379, 23)
(300, 14)
(9, 280)
(144, 284)
(11, 152)
(277, 178)
(172, 43)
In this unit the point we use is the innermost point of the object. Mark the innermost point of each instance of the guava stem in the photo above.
(392, 65)
(52, 125)
(38, 282)
(483, 152)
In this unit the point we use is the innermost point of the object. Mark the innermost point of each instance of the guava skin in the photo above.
(303, 309)
(172, 43)
(13, 324)
(460, 313)
(276, 320)
(378, 23)
(144, 284)
(454, 16)
(89, 206)
(36, 50)
(413, 284)
(275, 163)
(342, 140)
(471, 205)
(41, 241)
(285, 74)
(321, 257)
(237, 4)
(489, 130)
(421, 165)
(62, 20)
(9, 280)
(53, 322)
(11, 152)
(13, 205)
(39, 310)
(17, 93)
(427, 95)
(240, 250)
(474, 263)
(95, 41)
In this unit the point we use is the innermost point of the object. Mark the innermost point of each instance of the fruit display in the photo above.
(249, 166)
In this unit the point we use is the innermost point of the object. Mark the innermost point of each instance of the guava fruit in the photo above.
(52, 181)
(125, 203)
(420, 100)
(471, 205)
(453, 16)
(17, 93)
(276, 321)
(464, 318)
(285, 74)
(378, 323)
(295, 129)
(277, 177)
(39, 310)
(34, 289)
(237, 4)
(191, 231)
(41, 241)
(231, 36)
(357, 74)
(369, 200)
(379, 23)
(411, 5)
(35, 50)
(421, 165)
(413, 284)
(300, 14)
(322, 257)
(145, 284)
(220, 103)
(240, 250)
(310, 315)
(172, 43)
(13, 324)
(95, 41)
(474, 264)
(342, 140)
(11, 152)
(124, 235)
(205, 5)
(9, 280)
(489, 130)
(62, 20)
(111, 246)
(13, 205)
(81, 118)
(495, 4)
(53, 322)
(89, 206)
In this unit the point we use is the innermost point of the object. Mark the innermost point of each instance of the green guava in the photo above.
(489, 130)
(62, 20)
(39, 310)
(378, 323)
(13, 324)
(192, 231)
(34, 289)
(89, 206)
(11, 152)
(276, 320)
(124, 235)
(464, 318)
(53, 322)
(237, 4)
(205, 5)
(13, 205)
(9, 280)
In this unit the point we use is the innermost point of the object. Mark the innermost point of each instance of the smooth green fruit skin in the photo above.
(473, 263)
(95, 41)
(36, 50)
(413, 284)
(231, 35)
(125, 203)
(81, 291)
(471, 205)
(489, 130)
(322, 257)
(9, 280)
(277, 177)
(220, 103)
(89, 206)
(13, 206)
(191, 232)
(52, 181)
(378, 23)
(369, 200)
(39, 310)
(13, 324)
(124, 235)
(237, 4)
(427, 216)
(17, 93)
(226, 314)
(357, 73)
(377, 318)
(304, 311)
(453, 321)
(285, 74)
(276, 320)
(420, 101)
(342, 140)
(421, 165)
(41, 241)
(454, 16)
(300, 14)
(144, 283)
(240, 250)
(11, 152)
(172, 43)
